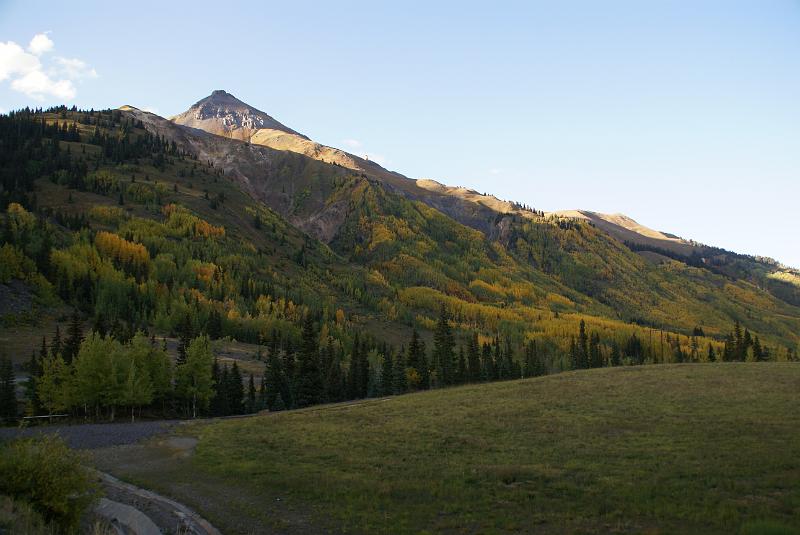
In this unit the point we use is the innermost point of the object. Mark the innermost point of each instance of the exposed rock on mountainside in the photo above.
(319, 188)
(224, 115)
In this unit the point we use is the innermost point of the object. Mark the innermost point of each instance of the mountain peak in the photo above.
(223, 114)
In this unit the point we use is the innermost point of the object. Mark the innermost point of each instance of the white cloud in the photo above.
(495, 171)
(15, 61)
(352, 143)
(40, 44)
(72, 68)
(38, 85)
(29, 76)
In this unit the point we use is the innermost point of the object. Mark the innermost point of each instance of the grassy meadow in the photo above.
(697, 448)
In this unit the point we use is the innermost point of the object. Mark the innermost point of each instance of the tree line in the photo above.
(98, 376)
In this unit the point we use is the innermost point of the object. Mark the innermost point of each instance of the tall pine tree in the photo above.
(8, 396)
(443, 344)
(309, 376)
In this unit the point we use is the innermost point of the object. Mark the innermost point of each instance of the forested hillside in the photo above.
(342, 283)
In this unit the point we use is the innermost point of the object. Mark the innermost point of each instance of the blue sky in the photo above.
(684, 115)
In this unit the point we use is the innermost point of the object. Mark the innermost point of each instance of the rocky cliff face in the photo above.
(223, 114)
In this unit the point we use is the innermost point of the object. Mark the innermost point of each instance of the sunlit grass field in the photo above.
(696, 448)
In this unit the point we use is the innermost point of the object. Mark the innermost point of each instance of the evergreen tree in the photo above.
(214, 326)
(747, 343)
(574, 360)
(235, 390)
(261, 404)
(595, 356)
(335, 383)
(677, 353)
(358, 375)
(279, 405)
(443, 344)
(497, 358)
(274, 378)
(758, 352)
(289, 389)
(416, 359)
(738, 342)
(533, 364)
(327, 356)
(100, 325)
(399, 377)
(55, 347)
(615, 357)
(387, 375)
(8, 396)
(309, 377)
(712, 355)
(74, 338)
(583, 347)
(251, 396)
(473, 360)
(185, 337)
(487, 363)
(216, 404)
(34, 373)
(461, 374)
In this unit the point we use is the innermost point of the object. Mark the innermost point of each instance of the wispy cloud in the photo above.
(29, 75)
(379, 159)
(495, 171)
(72, 68)
(352, 143)
(358, 149)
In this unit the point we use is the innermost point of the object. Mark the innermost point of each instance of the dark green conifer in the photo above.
(309, 376)
(251, 395)
(8, 396)
(443, 344)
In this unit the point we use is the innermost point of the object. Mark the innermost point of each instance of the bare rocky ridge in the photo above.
(223, 114)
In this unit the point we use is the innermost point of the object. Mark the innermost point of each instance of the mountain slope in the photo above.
(281, 233)
(222, 114)
(364, 217)
(625, 229)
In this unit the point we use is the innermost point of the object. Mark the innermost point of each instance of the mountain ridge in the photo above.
(449, 199)
(354, 210)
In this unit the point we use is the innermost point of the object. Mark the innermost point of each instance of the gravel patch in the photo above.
(91, 436)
